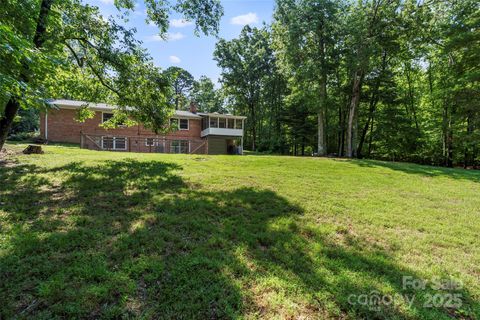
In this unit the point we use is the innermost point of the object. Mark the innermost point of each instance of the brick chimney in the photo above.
(193, 107)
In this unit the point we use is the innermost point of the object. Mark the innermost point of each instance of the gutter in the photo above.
(46, 125)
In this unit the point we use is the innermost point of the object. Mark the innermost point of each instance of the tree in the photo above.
(205, 95)
(182, 84)
(245, 62)
(38, 37)
(365, 24)
(26, 121)
(304, 34)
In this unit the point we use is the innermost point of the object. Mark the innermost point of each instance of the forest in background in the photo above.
(381, 79)
(393, 80)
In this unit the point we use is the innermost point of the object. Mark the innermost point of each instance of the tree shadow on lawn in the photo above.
(134, 239)
(419, 169)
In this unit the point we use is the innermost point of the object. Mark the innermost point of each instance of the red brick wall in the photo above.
(63, 128)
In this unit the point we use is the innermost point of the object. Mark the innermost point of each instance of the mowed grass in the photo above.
(86, 234)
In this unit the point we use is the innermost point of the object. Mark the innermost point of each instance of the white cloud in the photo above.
(249, 18)
(170, 37)
(180, 23)
(174, 59)
(107, 1)
(175, 36)
(155, 37)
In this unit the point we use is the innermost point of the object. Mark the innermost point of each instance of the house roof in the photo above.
(75, 104)
(216, 114)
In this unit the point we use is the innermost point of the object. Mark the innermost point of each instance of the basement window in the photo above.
(180, 146)
(150, 142)
(114, 143)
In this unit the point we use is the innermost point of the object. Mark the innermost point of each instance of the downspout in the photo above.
(46, 125)
(243, 130)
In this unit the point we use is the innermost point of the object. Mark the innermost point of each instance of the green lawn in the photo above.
(89, 234)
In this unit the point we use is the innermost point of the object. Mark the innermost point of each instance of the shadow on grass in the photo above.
(417, 169)
(134, 239)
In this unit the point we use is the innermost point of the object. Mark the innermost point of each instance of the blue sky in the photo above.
(184, 49)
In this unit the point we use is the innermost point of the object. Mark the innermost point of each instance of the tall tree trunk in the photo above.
(411, 97)
(341, 131)
(450, 123)
(469, 152)
(254, 127)
(370, 138)
(7, 119)
(371, 111)
(322, 148)
(341, 125)
(352, 113)
(13, 104)
(303, 146)
(321, 133)
(450, 146)
(444, 131)
(373, 104)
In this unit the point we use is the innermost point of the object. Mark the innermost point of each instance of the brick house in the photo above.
(198, 133)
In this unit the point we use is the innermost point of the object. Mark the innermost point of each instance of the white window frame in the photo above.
(154, 142)
(188, 124)
(178, 121)
(103, 113)
(114, 143)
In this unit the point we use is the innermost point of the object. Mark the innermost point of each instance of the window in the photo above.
(119, 143)
(222, 123)
(114, 143)
(213, 122)
(150, 142)
(204, 123)
(106, 116)
(183, 124)
(107, 142)
(231, 123)
(180, 146)
(238, 123)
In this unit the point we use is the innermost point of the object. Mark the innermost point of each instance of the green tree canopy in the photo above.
(182, 83)
(39, 37)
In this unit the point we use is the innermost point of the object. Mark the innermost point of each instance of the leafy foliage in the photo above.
(42, 38)
(206, 96)
(247, 64)
(395, 80)
(182, 84)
